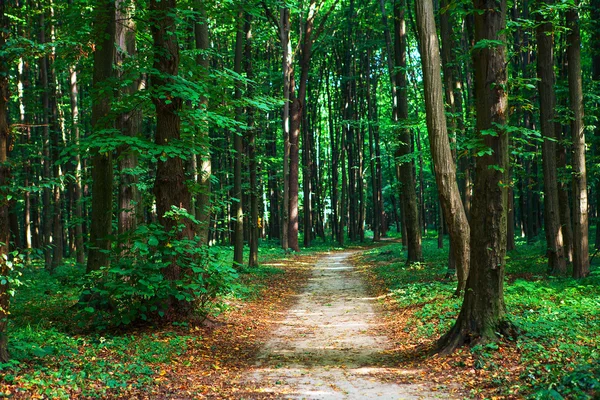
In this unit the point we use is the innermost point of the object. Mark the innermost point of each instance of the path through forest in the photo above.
(327, 346)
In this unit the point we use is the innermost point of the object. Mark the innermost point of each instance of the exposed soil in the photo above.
(328, 345)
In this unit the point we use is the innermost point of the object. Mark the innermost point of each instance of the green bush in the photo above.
(134, 287)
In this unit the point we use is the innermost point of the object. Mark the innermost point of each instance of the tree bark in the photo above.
(483, 313)
(78, 209)
(445, 170)
(102, 165)
(288, 72)
(238, 148)
(128, 123)
(169, 186)
(581, 260)
(4, 182)
(545, 73)
(410, 208)
(252, 161)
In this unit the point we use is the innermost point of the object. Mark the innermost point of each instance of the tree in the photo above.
(483, 314)
(545, 73)
(238, 148)
(102, 123)
(581, 259)
(445, 170)
(4, 181)
(170, 187)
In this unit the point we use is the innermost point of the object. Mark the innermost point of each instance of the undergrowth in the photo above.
(557, 354)
(53, 356)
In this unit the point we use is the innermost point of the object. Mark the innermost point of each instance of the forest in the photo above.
(179, 178)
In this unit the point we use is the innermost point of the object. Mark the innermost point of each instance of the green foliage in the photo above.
(558, 317)
(135, 288)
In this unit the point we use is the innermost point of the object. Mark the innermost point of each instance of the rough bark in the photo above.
(445, 170)
(169, 185)
(483, 313)
(102, 163)
(581, 260)
(545, 73)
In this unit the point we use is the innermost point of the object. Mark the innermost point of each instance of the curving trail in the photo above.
(327, 346)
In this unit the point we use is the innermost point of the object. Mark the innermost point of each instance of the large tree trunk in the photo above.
(410, 208)
(483, 313)
(169, 186)
(102, 165)
(445, 170)
(4, 182)
(238, 148)
(545, 73)
(581, 260)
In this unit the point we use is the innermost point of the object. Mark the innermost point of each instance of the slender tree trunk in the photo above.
(46, 151)
(102, 165)
(595, 43)
(581, 260)
(410, 208)
(444, 167)
(128, 123)
(4, 183)
(288, 72)
(253, 163)
(238, 148)
(545, 73)
(78, 207)
(483, 313)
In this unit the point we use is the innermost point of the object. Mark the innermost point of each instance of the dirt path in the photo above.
(326, 347)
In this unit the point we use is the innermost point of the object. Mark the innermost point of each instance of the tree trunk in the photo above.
(581, 260)
(545, 73)
(410, 208)
(4, 183)
(128, 123)
(102, 165)
(445, 170)
(238, 148)
(252, 161)
(288, 72)
(483, 313)
(169, 186)
(46, 151)
(595, 44)
(78, 209)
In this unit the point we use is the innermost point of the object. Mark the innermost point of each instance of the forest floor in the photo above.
(328, 345)
(356, 323)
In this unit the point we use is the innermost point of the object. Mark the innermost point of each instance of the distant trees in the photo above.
(123, 119)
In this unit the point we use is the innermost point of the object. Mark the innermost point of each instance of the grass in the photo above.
(556, 355)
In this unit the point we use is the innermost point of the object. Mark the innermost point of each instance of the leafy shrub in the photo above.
(134, 287)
